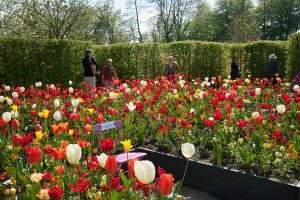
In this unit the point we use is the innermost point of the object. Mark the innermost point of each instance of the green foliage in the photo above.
(294, 55)
(258, 55)
(26, 61)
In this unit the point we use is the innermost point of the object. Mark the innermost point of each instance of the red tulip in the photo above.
(241, 123)
(33, 113)
(107, 145)
(34, 156)
(87, 120)
(165, 184)
(15, 140)
(15, 124)
(258, 120)
(38, 127)
(111, 165)
(55, 193)
(2, 122)
(217, 115)
(131, 167)
(298, 117)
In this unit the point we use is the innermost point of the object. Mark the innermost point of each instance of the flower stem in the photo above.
(186, 167)
(76, 182)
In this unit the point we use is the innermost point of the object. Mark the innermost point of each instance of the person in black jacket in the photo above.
(89, 76)
(272, 68)
(234, 69)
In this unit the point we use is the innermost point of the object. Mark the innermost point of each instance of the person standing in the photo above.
(234, 69)
(272, 68)
(108, 73)
(171, 68)
(90, 70)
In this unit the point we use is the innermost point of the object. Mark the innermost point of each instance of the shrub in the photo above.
(294, 55)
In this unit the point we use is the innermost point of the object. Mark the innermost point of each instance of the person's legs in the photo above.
(91, 82)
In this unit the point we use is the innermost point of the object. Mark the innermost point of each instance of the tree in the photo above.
(202, 25)
(225, 12)
(45, 18)
(175, 17)
(108, 28)
(278, 18)
(243, 28)
(134, 21)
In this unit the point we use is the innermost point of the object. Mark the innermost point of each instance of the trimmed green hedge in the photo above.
(294, 55)
(26, 61)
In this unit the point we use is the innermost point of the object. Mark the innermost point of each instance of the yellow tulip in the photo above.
(40, 114)
(127, 145)
(14, 108)
(38, 135)
(71, 132)
(45, 114)
(6, 98)
(91, 110)
(176, 96)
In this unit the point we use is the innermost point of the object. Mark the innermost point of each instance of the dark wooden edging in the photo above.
(223, 183)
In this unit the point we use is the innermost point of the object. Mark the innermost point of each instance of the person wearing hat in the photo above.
(272, 68)
(108, 73)
(90, 70)
(171, 68)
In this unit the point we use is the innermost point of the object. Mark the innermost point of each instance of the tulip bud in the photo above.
(38, 127)
(15, 124)
(44, 195)
(57, 116)
(71, 90)
(187, 150)
(102, 159)
(2, 99)
(111, 165)
(73, 153)
(165, 184)
(281, 108)
(144, 171)
(257, 91)
(56, 103)
(15, 95)
(6, 116)
(34, 156)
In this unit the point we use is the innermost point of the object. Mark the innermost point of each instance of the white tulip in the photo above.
(112, 95)
(206, 79)
(229, 77)
(7, 88)
(70, 82)
(182, 83)
(52, 86)
(156, 82)
(22, 89)
(144, 171)
(125, 85)
(174, 91)
(225, 85)
(75, 102)
(296, 88)
(187, 150)
(33, 106)
(131, 106)
(127, 90)
(73, 153)
(38, 84)
(71, 90)
(36, 177)
(57, 116)
(56, 103)
(15, 95)
(227, 95)
(14, 114)
(212, 82)
(255, 114)
(102, 159)
(2, 99)
(9, 102)
(281, 108)
(6, 116)
(143, 83)
(192, 110)
(257, 91)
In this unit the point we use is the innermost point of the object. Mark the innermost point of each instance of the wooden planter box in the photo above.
(223, 183)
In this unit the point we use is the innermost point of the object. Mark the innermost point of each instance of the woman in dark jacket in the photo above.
(272, 68)
(89, 76)
(234, 69)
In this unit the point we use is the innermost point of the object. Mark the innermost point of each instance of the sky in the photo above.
(145, 16)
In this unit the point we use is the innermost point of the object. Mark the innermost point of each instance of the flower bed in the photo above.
(244, 124)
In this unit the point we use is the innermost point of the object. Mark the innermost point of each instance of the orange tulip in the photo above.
(87, 128)
(165, 184)
(111, 165)
(55, 129)
(60, 169)
(64, 127)
(131, 167)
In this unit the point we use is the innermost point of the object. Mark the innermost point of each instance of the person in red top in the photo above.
(171, 68)
(295, 81)
(108, 73)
